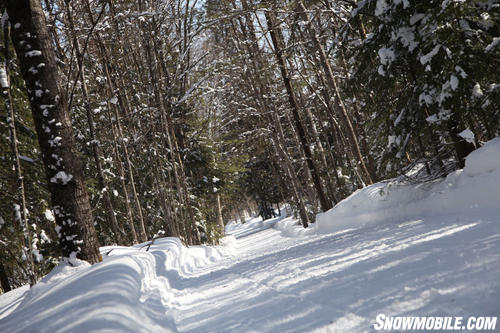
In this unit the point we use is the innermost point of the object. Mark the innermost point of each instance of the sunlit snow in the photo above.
(427, 249)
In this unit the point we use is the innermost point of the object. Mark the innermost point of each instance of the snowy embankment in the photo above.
(128, 292)
(473, 190)
(409, 250)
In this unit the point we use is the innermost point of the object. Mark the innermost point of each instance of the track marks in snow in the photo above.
(265, 282)
(301, 284)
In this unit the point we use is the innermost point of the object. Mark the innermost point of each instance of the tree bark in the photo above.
(4, 280)
(63, 168)
(218, 211)
(96, 151)
(276, 37)
(344, 116)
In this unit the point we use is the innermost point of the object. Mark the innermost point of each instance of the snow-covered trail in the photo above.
(395, 249)
(268, 282)
(271, 283)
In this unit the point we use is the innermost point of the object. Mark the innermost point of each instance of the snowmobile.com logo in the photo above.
(382, 322)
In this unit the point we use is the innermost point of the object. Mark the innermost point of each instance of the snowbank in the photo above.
(174, 255)
(473, 190)
(130, 291)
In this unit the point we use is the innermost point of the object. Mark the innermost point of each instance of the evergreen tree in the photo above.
(424, 71)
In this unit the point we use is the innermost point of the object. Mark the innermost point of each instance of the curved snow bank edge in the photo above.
(132, 290)
(469, 191)
(176, 256)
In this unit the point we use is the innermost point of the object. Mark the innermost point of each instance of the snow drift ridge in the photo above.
(472, 189)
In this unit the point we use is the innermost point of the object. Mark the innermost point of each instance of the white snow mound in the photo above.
(474, 189)
(130, 291)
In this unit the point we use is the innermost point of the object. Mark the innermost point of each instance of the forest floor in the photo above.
(273, 276)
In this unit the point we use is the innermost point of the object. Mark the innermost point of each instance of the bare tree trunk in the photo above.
(55, 132)
(156, 75)
(278, 141)
(370, 163)
(335, 159)
(281, 147)
(344, 116)
(142, 229)
(96, 151)
(118, 136)
(169, 215)
(304, 218)
(121, 172)
(277, 36)
(108, 205)
(218, 211)
(322, 154)
(4, 279)
(167, 134)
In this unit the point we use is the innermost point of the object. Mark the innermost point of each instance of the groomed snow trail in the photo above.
(340, 282)
(268, 282)
(412, 250)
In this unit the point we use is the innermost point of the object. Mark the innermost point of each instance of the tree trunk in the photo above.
(168, 136)
(277, 36)
(105, 59)
(322, 154)
(218, 211)
(278, 141)
(96, 151)
(142, 228)
(55, 132)
(304, 218)
(121, 172)
(344, 116)
(4, 280)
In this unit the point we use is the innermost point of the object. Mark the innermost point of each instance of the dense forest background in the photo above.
(188, 114)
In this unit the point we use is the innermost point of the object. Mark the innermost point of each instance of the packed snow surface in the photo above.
(411, 250)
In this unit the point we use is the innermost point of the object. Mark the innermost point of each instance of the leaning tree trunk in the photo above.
(276, 36)
(344, 116)
(96, 150)
(49, 107)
